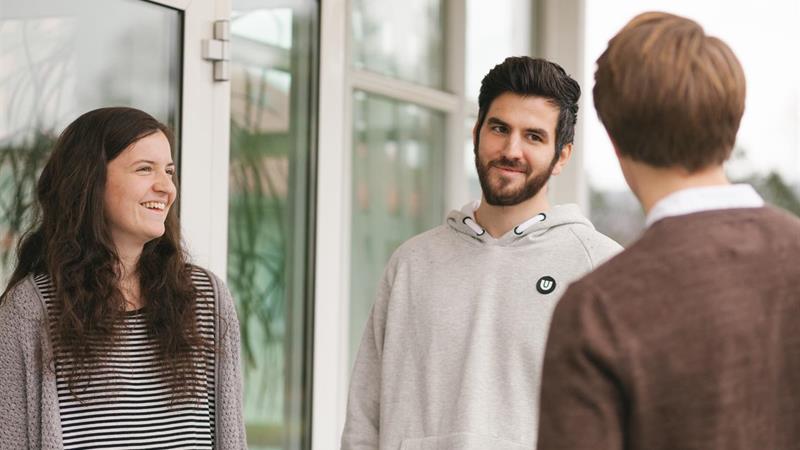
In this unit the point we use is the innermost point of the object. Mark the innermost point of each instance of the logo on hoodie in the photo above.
(546, 285)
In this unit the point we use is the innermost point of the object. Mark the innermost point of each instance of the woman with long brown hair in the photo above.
(109, 338)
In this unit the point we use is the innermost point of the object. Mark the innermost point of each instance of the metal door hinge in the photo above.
(218, 50)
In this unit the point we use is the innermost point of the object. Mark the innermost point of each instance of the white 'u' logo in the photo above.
(545, 284)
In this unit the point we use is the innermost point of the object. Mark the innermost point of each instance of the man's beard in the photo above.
(529, 189)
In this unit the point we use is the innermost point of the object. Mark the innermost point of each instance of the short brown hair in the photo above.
(668, 94)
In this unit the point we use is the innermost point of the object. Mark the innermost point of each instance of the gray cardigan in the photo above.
(29, 409)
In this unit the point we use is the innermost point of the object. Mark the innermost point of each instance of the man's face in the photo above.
(515, 148)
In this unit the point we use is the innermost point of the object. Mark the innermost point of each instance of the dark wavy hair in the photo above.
(70, 241)
(526, 76)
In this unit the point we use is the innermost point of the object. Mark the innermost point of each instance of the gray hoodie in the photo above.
(452, 351)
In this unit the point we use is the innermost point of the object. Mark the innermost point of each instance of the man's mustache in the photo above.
(505, 163)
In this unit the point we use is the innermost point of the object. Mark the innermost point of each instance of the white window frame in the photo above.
(560, 25)
(338, 80)
(204, 133)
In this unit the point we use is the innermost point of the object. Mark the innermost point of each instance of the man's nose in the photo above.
(513, 147)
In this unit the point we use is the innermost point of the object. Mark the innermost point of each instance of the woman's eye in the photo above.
(144, 169)
(170, 172)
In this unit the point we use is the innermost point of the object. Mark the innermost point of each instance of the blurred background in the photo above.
(767, 153)
(327, 133)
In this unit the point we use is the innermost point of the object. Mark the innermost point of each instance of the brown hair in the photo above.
(70, 241)
(526, 76)
(668, 94)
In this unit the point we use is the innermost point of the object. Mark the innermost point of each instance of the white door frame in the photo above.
(205, 135)
(331, 319)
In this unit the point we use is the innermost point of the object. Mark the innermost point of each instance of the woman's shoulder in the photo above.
(24, 299)
(206, 280)
(23, 302)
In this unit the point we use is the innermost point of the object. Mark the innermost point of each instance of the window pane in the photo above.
(767, 150)
(470, 172)
(268, 221)
(398, 171)
(489, 44)
(401, 39)
(61, 59)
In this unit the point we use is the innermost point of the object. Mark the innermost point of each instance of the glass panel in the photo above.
(489, 44)
(61, 59)
(268, 220)
(401, 39)
(470, 172)
(767, 151)
(398, 189)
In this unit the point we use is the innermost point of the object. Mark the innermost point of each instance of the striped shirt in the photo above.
(124, 402)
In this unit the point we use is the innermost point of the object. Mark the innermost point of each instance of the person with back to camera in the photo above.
(109, 338)
(689, 338)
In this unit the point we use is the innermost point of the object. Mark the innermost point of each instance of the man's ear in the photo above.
(475, 131)
(566, 153)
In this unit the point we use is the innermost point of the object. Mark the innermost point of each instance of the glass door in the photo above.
(269, 223)
(61, 59)
(246, 139)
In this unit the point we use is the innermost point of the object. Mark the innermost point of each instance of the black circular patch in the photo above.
(546, 285)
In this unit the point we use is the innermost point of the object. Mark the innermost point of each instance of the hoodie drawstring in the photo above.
(519, 229)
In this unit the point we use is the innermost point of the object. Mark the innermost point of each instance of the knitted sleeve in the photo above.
(230, 432)
(14, 424)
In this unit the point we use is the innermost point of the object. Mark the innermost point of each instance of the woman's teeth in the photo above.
(155, 205)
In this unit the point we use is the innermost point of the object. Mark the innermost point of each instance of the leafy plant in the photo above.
(776, 191)
(257, 234)
(20, 165)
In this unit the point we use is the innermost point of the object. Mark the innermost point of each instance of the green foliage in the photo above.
(20, 166)
(776, 191)
(257, 236)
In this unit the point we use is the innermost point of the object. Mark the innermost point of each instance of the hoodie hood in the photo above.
(463, 221)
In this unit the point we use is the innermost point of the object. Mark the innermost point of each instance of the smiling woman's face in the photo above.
(139, 191)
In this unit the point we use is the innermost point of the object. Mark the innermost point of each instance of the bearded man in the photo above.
(452, 351)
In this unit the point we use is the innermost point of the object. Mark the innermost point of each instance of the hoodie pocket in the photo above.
(461, 441)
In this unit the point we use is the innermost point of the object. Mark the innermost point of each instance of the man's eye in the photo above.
(535, 137)
(499, 129)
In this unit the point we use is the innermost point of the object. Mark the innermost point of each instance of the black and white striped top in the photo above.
(124, 402)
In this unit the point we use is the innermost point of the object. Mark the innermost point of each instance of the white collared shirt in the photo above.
(692, 200)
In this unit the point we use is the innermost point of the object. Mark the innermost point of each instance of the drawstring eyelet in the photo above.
(473, 226)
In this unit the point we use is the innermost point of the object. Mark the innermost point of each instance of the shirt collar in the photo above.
(692, 200)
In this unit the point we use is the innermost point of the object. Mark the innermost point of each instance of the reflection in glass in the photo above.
(61, 59)
(398, 171)
(400, 39)
(268, 223)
